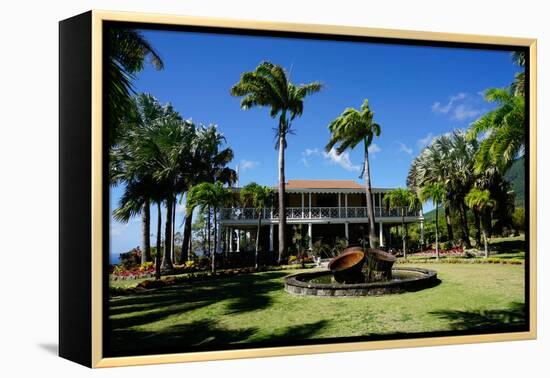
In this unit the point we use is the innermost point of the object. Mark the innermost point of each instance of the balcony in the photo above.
(299, 213)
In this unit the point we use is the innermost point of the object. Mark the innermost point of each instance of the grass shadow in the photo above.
(485, 320)
(507, 246)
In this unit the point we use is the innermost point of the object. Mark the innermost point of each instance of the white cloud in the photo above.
(374, 149)
(423, 142)
(437, 107)
(459, 107)
(248, 164)
(307, 154)
(462, 112)
(404, 148)
(343, 160)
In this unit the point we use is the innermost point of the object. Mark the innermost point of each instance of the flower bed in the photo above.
(452, 252)
(146, 270)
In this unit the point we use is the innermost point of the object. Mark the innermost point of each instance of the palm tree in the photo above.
(504, 128)
(405, 200)
(347, 131)
(436, 193)
(160, 148)
(482, 201)
(207, 162)
(125, 169)
(127, 53)
(518, 86)
(260, 197)
(209, 196)
(268, 85)
(448, 160)
(460, 155)
(431, 167)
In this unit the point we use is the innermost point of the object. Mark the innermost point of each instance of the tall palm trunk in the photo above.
(159, 246)
(173, 244)
(436, 231)
(448, 220)
(403, 236)
(485, 243)
(146, 232)
(464, 225)
(215, 240)
(258, 239)
(188, 221)
(208, 227)
(373, 240)
(167, 257)
(282, 209)
(477, 220)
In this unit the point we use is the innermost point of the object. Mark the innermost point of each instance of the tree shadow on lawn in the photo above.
(485, 320)
(246, 293)
(508, 246)
(200, 335)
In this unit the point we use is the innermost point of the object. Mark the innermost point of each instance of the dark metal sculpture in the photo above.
(347, 267)
(356, 266)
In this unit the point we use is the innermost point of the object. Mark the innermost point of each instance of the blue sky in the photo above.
(416, 93)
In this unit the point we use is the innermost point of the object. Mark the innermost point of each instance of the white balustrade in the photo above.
(249, 213)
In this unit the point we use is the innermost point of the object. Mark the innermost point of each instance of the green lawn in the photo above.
(255, 308)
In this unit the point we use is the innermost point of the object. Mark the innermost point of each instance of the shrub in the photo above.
(204, 262)
(147, 267)
(131, 259)
(447, 245)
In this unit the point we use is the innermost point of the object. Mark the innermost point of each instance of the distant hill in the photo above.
(516, 177)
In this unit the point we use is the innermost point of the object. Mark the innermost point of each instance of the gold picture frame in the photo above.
(92, 23)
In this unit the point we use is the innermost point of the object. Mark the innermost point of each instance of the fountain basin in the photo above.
(320, 283)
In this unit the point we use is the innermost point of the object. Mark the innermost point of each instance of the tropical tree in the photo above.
(405, 200)
(436, 193)
(504, 129)
(206, 162)
(124, 167)
(482, 201)
(260, 197)
(518, 86)
(212, 197)
(268, 85)
(160, 148)
(448, 160)
(128, 51)
(347, 131)
(431, 167)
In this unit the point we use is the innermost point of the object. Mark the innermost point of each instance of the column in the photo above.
(346, 204)
(339, 206)
(422, 232)
(271, 227)
(302, 205)
(218, 238)
(238, 240)
(310, 234)
(309, 204)
(230, 239)
(347, 230)
(381, 234)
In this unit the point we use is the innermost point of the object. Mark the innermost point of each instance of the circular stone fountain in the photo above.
(356, 273)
